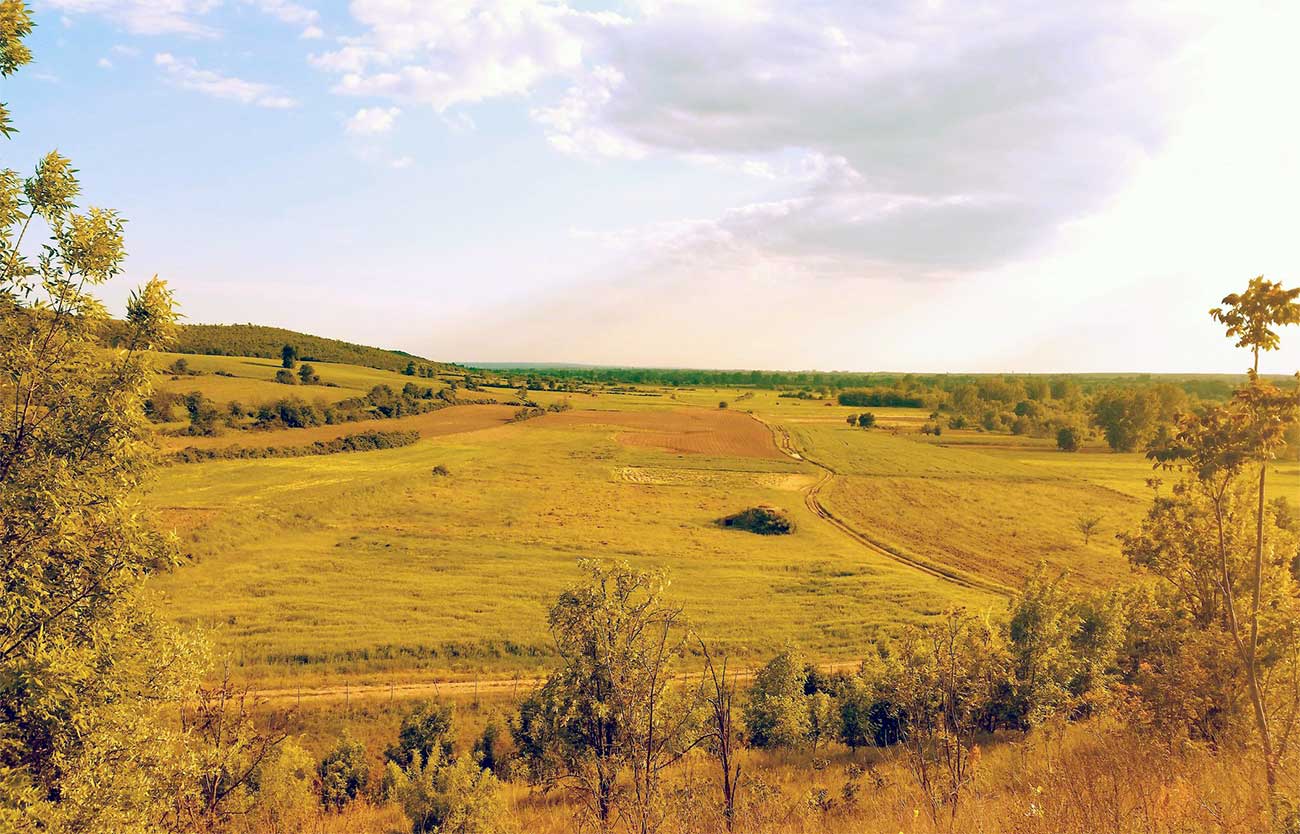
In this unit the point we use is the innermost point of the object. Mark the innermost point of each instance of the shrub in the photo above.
(722, 404)
(777, 712)
(307, 374)
(426, 735)
(285, 377)
(866, 420)
(286, 793)
(343, 773)
(441, 471)
(766, 521)
(449, 798)
(1067, 439)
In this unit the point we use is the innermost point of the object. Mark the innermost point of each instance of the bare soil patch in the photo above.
(694, 431)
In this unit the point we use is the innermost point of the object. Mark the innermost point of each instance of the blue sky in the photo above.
(827, 184)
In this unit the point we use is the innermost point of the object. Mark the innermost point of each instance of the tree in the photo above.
(852, 419)
(203, 414)
(85, 664)
(409, 370)
(1126, 417)
(609, 708)
(285, 377)
(425, 730)
(719, 697)
(722, 404)
(941, 680)
(1067, 439)
(228, 749)
(776, 714)
(1088, 525)
(866, 420)
(288, 356)
(343, 773)
(1262, 417)
(307, 374)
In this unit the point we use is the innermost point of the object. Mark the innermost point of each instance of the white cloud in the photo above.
(445, 54)
(146, 17)
(972, 131)
(186, 74)
(286, 11)
(312, 33)
(369, 121)
(104, 63)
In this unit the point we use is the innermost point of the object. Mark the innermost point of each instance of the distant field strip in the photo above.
(695, 431)
(451, 420)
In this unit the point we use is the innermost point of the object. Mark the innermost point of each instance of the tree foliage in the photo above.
(85, 666)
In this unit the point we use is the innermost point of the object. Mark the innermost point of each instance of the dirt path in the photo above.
(453, 689)
(812, 499)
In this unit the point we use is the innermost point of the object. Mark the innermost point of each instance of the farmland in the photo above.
(368, 567)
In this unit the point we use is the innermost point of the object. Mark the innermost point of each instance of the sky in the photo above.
(996, 186)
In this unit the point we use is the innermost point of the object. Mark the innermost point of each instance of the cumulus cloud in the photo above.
(145, 17)
(369, 121)
(444, 54)
(186, 74)
(928, 138)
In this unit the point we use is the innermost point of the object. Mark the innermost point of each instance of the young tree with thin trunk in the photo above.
(1250, 597)
(1251, 317)
(610, 714)
(719, 697)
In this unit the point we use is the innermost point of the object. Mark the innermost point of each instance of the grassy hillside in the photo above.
(257, 340)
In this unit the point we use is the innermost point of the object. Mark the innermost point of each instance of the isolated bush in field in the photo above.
(441, 471)
(343, 773)
(1088, 525)
(722, 404)
(776, 714)
(307, 374)
(866, 420)
(286, 790)
(766, 521)
(288, 356)
(285, 377)
(1067, 439)
(426, 731)
(563, 405)
(852, 419)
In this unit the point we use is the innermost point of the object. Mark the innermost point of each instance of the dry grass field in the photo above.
(368, 567)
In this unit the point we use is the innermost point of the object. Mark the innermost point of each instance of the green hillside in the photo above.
(266, 343)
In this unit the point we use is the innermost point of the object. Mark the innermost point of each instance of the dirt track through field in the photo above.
(455, 689)
(812, 499)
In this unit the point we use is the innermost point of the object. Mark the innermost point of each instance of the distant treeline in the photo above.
(1204, 386)
(361, 442)
(268, 343)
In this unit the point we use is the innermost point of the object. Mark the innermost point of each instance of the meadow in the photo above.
(370, 568)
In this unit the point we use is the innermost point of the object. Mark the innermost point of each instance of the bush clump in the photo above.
(765, 521)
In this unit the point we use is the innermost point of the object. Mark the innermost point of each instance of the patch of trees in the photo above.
(766, 521)
(880, 398)
(361, 442)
